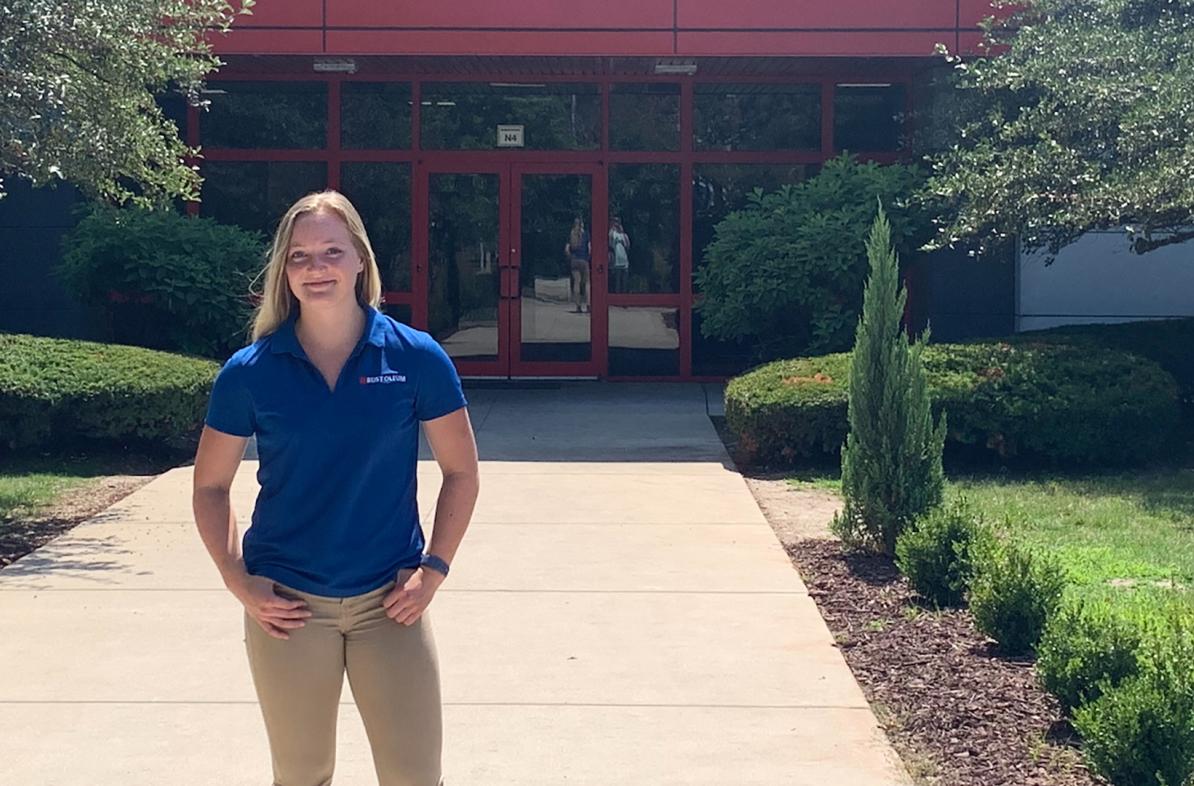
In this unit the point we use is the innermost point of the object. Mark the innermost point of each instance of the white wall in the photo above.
(1098, 279)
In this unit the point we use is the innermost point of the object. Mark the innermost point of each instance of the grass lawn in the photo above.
(1112, 531)
(30, 483)
(1130, 528)
(44, 495)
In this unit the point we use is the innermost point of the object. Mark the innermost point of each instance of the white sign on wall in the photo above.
(509, 136)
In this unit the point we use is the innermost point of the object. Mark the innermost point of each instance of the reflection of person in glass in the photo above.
(619, 254)
(579, 250)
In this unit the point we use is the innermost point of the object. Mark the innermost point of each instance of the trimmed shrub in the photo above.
(1064, 404)
(891, 463)
(1087, 647)
(1166, 341)
(938, 554)
(1142, 731)
(162, 280)
(54, 389)
(1013, 593)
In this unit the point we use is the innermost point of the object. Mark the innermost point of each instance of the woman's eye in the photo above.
(296, 255)
(333, 252)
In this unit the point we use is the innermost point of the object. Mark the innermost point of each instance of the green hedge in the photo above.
(1053, 401)
(1169, 342)
(158, 279)
(62, 391)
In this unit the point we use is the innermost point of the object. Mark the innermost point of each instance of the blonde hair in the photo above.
(576, 236)
(277, 301)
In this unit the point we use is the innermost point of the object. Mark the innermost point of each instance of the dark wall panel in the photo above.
(32, 223)
(963, 297)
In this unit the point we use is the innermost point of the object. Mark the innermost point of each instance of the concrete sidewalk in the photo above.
(620, 613)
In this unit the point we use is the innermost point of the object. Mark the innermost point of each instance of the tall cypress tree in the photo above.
(891, 462)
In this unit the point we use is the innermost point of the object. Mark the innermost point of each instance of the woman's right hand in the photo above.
(271, 611)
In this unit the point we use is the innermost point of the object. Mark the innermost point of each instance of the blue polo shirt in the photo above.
(337, 513)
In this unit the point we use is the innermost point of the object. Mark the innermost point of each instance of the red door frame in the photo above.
(597, 278)
(509, 362)
(420, 248)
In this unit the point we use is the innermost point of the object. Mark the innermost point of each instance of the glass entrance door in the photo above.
(515, 268)
(464, 218)
(559, 260)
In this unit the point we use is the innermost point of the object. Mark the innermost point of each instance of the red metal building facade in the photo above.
(661, 114)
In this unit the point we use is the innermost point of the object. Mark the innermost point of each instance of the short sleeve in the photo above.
(230, 408)
(438, 390)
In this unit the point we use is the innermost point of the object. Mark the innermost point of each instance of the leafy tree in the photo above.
(79, 79)
(1083, 121)
(162, 280)
(891, 462)
(786, 273)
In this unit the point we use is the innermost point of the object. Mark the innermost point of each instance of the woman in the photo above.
(333, 576)
(579, 250)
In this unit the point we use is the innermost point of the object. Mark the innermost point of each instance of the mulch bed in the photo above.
(957, 712)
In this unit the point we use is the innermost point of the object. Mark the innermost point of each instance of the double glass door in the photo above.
(514, 267)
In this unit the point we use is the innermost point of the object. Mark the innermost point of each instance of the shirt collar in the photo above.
(284, 339)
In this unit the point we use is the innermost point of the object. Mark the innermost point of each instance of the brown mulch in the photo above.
(956, 711)
(28, 532)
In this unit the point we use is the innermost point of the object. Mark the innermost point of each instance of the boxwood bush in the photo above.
(1088, 646)
(1014, 592)
(1141, 731)
(938, 554)
(63, 391)
(1061, 403)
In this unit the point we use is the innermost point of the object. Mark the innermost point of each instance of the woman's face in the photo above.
(322, 264)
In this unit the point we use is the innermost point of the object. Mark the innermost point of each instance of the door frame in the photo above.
(509, 363)
(421, 281)
(598, 235)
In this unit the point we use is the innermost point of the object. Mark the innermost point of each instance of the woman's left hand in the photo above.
(411, 596)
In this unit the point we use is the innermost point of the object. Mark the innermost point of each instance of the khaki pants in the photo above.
(394, 677)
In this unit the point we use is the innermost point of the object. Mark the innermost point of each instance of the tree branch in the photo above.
(1143, 245)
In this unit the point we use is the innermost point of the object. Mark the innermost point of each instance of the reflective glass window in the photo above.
(375, 115)
(757, 117)
(255, 194)
(644, 116)
(381, 194)
(644, 341)
(272, 115)
(867, 118)
(644, 221)
(554, 116)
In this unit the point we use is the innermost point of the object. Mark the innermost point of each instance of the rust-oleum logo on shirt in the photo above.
(383, 379)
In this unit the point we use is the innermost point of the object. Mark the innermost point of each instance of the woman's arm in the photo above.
(216, 461)
(451, 440)
(452, 443)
